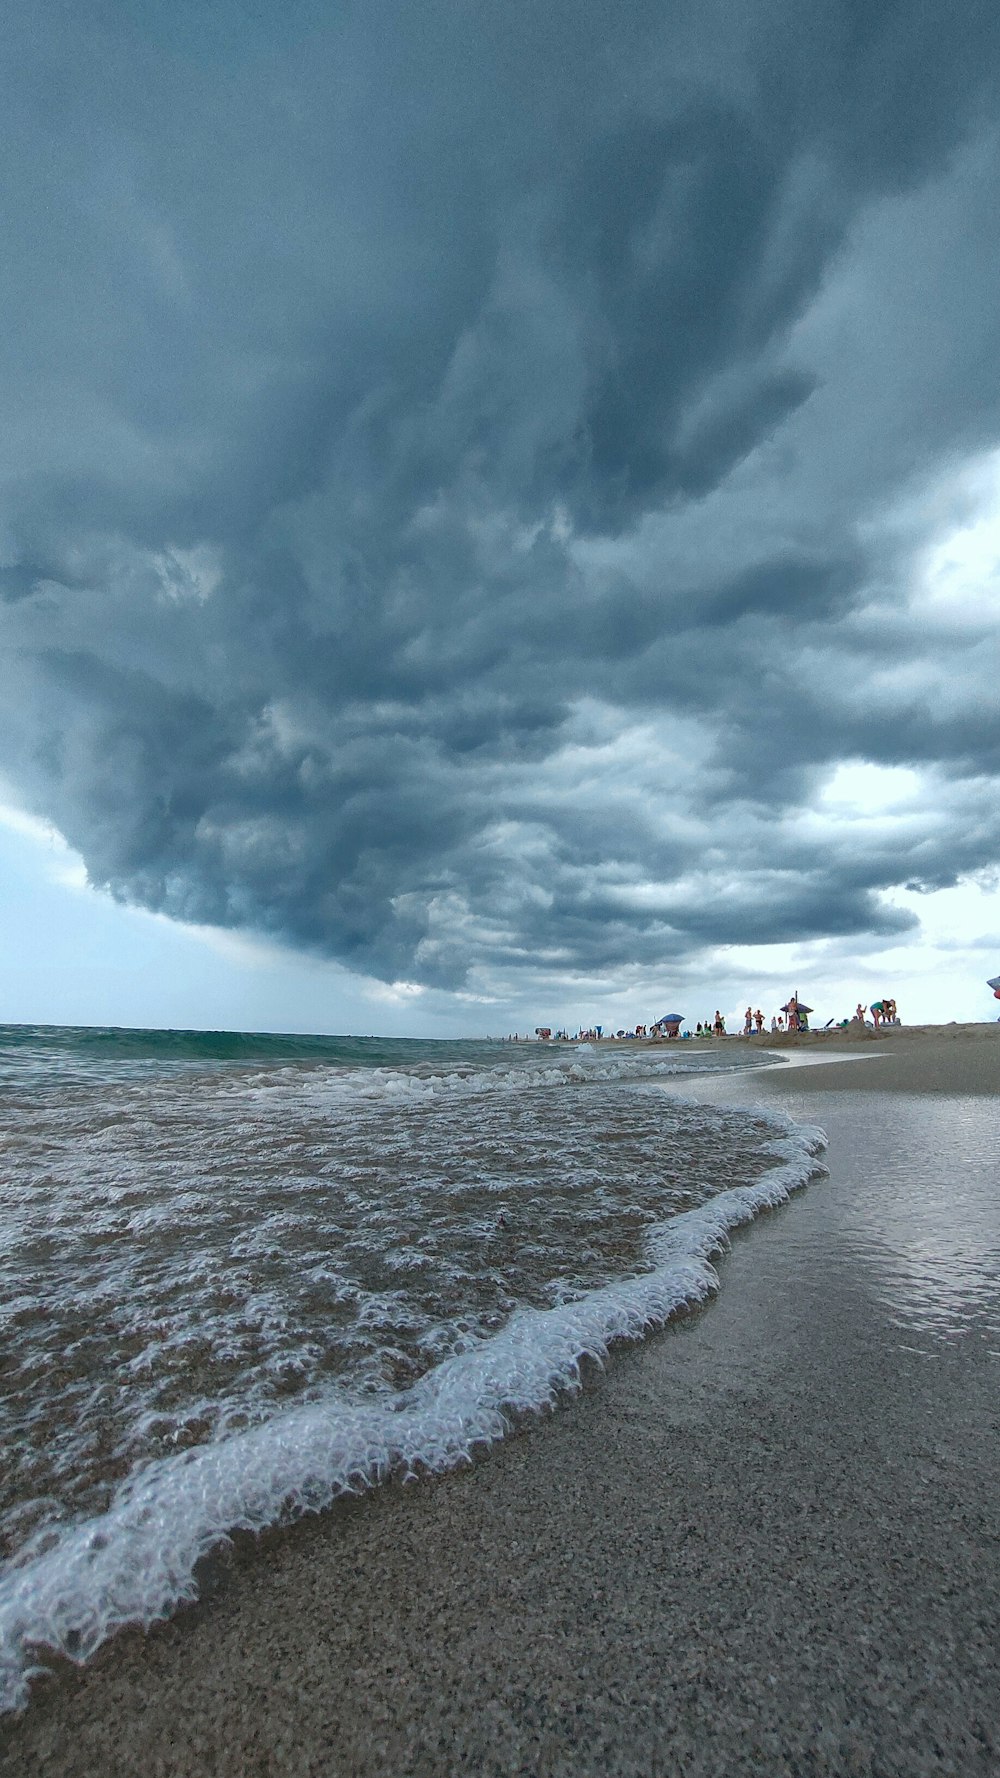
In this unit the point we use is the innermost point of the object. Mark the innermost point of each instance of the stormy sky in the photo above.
(505, 498)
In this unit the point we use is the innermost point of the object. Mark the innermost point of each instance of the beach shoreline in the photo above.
(762, 1540)
(955, 1058)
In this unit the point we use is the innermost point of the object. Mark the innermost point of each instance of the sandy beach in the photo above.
(766, 1540)
(957, 1058)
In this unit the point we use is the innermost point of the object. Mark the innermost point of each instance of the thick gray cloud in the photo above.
(461, 479)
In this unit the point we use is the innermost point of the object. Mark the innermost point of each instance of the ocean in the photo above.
(244, 1274)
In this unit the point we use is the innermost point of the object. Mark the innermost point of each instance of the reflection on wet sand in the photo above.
(928, 1221)
(915, 1217)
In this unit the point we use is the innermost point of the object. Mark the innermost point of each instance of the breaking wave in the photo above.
(135, 1562)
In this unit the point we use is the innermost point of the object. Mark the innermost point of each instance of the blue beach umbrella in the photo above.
(671, 1018)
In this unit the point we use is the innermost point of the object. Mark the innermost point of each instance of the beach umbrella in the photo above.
(671, 1018)
(796, 1006)
(994, 983)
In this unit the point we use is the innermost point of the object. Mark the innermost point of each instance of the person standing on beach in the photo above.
(748, 1022)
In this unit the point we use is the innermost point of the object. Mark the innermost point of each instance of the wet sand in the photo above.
(908, 1059)
(765, 1541)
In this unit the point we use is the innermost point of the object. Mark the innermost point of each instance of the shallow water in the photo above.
(236, 1282)
(926, 1228)
(915, 1222)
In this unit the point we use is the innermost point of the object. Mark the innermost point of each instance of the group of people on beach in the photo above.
(717, 1027)
(883, 1013)
(753, 1022)
(794, 1016)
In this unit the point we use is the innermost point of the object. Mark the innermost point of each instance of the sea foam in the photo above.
(136, 1562)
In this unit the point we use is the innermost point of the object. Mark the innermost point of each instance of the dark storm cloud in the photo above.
(450, 462)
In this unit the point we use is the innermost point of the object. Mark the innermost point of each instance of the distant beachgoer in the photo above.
(759, 1021)
(775, 1022)
(748, 1022)
(876, 1011)
(859, 1013)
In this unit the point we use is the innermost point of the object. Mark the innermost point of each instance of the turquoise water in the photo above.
(33, 1055)
(81, 1052)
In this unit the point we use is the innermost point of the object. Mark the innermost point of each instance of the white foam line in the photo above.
(136, 1562)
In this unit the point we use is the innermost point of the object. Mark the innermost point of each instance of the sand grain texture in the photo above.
(766, 1541)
